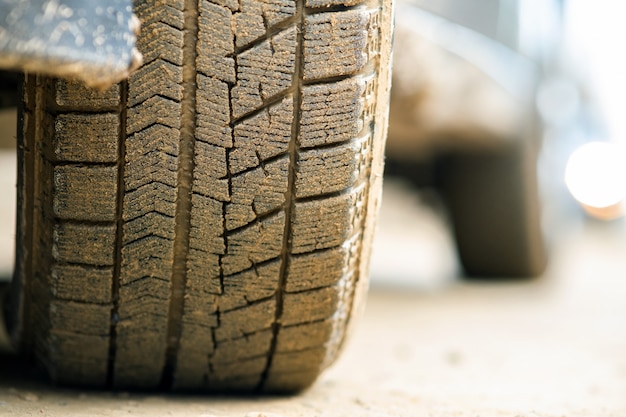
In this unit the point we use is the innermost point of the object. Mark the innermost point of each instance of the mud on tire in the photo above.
(207, 224)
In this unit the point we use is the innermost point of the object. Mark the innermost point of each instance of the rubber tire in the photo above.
(493, 201)
(207, 224)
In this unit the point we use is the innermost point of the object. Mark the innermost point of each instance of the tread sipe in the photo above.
(206, 224)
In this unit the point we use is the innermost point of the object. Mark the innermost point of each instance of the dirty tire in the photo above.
(207, 224)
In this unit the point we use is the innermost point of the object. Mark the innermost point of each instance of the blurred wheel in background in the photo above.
(463, 120)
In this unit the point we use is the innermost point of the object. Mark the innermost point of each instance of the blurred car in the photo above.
(463, 120)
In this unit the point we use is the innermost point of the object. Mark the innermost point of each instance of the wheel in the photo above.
(206, 224)
(493, 202)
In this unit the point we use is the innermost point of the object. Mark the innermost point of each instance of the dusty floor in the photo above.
(432, 346)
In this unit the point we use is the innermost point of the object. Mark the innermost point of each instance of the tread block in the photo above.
(249, 23)
(317, 269)
(98, 135)
(90, 372)
(331, 112)
(73, 93)
(203, 272)
(288, 362)
(149, 257)
(233, 351)
(258, 16)
(210, 171)
(80, 318)
(212, 117)
(323, 223)
(262, 136)
(236, 324)
(81, 283)
(233, 5)
(257, 192)
(159, 40)
(145, 313)
(258, 242)
(296, 381)
(84, 243)
(335, 44)
(79, 358)
(156, 78)
(196, 341)
(139, 368)
(200, 313)
(142, 321)
(192, 367)
(304, 336)
(238, 215)
(264, 72)
(79, 346)
(150, 291)
(155, 138)
(206, 234)
(250, 286)
(154, 197)
(328, 170)
(308, 306)
(149, 224)
(277, 11)
(85, 193)
(243, 368)
(151, 156)
(155, 110)
(216, 40)
(166, 11)
(149, 168)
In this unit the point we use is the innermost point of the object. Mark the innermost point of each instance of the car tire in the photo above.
(493, 201)
(205, 225)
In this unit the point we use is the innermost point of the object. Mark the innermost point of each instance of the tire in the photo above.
(207, 224)
(493, 201)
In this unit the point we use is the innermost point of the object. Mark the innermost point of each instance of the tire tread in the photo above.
(205, 220)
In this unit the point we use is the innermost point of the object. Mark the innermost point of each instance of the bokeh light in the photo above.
(596, 174)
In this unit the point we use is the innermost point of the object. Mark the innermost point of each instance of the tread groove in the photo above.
(291, 189)
(152, 97)
(186, 165)
(84, 164)
(249, 304)
(274, 30)
(93, 112)
(56, 110)
(117, 253)
(275, 99)
(84, 265)
(331, 9)
(318, 197)
(346, 191)
(262, 162)
(257, 220)
(86, 222)
(269, 33)
(332, 80)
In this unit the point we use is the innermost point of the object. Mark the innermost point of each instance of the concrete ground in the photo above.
(429, 344)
